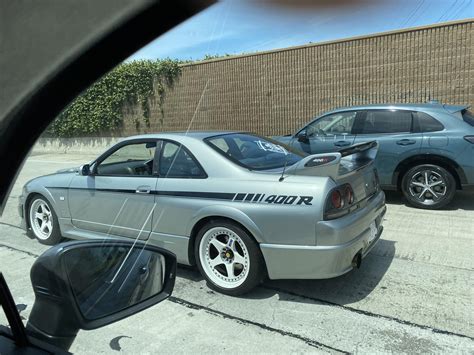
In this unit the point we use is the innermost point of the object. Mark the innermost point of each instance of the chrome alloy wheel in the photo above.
(41, 219)
(427, 186)
(224, 257)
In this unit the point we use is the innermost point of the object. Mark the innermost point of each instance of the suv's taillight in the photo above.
(470, 139)
(338, 202)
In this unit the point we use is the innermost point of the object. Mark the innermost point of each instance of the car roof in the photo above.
(191, 134)
(415, 107)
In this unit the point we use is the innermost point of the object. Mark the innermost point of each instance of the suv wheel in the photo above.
(428, 186)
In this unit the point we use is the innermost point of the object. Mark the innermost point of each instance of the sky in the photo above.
(248, 26)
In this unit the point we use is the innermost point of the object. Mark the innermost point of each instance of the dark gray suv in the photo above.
(425, 150)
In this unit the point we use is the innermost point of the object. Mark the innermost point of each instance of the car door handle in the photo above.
(406, 142)
(143, 189)
(342, 143)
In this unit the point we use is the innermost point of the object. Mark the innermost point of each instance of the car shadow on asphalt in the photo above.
(349, 288)
(463, 200)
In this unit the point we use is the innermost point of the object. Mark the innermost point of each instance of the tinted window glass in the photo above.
(131, 159)
(426, 123)
(338, 123)
(386, 122)
(254, 152)
(176, 162)
(468, 117)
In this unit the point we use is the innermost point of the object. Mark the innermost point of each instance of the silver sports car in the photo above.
(239, 206)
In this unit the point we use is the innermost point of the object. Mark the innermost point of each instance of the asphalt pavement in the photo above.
(413, 293)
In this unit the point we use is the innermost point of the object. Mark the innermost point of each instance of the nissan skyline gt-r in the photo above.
(239, 206)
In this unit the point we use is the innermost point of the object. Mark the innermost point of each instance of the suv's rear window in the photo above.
(468, 117)
(254, 152)
(425, 123)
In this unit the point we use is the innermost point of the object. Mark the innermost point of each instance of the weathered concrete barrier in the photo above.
(82, 145)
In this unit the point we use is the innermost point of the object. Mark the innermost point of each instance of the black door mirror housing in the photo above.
(85, 170)
(302, 137)
(89, 284)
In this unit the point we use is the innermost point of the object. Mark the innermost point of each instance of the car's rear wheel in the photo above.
(228, 258)
(428, 186)
(44, 221)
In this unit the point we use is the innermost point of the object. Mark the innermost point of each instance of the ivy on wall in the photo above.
(99, 108)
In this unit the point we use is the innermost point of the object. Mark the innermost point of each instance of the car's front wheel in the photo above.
(228, 258)
(428, 186)
(43, 221)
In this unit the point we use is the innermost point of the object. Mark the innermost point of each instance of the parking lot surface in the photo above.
(413, 293)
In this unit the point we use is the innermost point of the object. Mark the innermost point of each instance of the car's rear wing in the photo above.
(337, 164)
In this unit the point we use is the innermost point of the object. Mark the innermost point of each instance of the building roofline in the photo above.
(325, 43)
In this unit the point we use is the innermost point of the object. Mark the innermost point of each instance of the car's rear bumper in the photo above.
(327, 261)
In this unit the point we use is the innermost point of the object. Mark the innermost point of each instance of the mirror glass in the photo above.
(106, 279)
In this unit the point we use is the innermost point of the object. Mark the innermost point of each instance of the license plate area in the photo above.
(373, 232)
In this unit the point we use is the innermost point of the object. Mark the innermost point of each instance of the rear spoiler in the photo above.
(336, 164)
(455, 108)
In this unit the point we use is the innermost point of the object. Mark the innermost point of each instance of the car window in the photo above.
(131, 159)
(338, 123)
(177, 162)
(425, 123)
(254, 152)
(468, 117)
(386, 122)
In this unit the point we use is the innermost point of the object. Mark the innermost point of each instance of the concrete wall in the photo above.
(278, 91)
(84, 146)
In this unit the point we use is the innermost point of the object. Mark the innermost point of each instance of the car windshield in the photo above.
(254, 152)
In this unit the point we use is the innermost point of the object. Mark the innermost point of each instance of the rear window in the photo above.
(176, 162)
(254, 152)
(425, 123)
(468, 117)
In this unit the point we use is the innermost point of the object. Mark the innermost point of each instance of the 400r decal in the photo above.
(276, 199)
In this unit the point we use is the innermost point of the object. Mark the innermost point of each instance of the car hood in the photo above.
(67, 170)
(283, 139)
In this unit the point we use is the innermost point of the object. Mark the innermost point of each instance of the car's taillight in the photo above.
(349, 194)
(339, 202)
(470, 139)
(336, 199)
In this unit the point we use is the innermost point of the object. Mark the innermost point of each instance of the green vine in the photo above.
(99, 108)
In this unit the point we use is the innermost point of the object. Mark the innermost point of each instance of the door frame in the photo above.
(95, 163)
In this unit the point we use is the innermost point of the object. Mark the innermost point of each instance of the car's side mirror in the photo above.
(85, 170)
(89, 284)
(302, 136)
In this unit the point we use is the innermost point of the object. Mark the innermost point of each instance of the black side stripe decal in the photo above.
(198, 194)
(212, 195)
(239, 197)
(249, 197)
(227, 196)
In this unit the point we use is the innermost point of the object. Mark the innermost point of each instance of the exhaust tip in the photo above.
(357, 260)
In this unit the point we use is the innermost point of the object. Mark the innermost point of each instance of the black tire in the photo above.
(55, 234)
(441, 182)
(256, 271)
